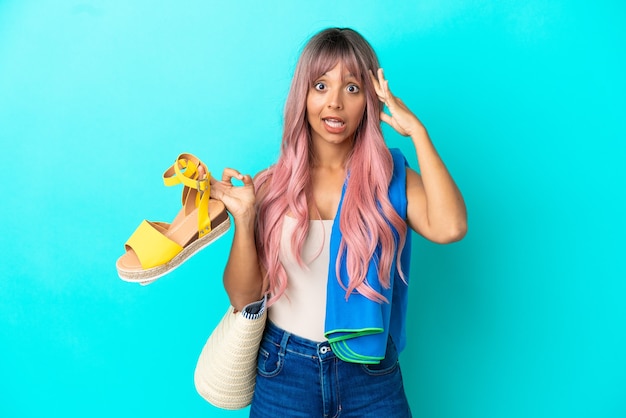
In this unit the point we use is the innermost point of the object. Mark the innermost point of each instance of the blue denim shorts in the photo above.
(297, 377)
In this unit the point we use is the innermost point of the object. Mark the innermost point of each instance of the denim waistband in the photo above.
(296, 344)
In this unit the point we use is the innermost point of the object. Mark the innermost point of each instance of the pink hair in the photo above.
(366, 213)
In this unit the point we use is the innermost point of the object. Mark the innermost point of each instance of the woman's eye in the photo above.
(353, 88)
(319, 86)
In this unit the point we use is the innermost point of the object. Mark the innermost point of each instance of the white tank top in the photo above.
(301, 310)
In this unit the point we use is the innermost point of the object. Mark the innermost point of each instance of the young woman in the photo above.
(324, 235)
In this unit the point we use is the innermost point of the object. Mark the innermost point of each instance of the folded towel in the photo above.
(358, 328)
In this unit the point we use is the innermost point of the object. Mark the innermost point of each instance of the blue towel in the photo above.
(358, 328)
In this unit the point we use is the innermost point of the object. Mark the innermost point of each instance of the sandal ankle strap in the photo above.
(189, 178)
(197, 188)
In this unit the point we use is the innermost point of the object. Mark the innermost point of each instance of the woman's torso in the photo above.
(301, 310)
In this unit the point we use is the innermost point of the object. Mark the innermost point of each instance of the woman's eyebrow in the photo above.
(345, 77)
(350, 75)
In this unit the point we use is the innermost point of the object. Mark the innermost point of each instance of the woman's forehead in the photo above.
(348, 67)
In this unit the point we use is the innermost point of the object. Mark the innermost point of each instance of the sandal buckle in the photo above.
(201, 185)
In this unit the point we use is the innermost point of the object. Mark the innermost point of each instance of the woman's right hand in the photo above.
(239, 200)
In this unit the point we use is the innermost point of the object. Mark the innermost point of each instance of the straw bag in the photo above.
(226, 370)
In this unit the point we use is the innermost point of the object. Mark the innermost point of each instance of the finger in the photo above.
(217, 187)
(229, 173)
(376, 84)
(382, 83)
(387, 90)
(247, 180)
(392, 101)
(386, 118)
(378, 90)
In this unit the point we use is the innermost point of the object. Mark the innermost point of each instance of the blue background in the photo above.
(525, 100)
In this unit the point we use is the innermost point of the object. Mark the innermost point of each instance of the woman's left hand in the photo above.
(400, 118)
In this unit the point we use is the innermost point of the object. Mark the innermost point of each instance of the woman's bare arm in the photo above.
(242, 275)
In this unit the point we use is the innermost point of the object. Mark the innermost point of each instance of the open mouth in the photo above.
(334, 123)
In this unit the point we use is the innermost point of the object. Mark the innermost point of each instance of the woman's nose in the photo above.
(335, 100)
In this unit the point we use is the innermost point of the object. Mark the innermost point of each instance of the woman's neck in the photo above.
(331, 156)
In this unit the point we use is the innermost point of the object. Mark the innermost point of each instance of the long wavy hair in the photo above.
(366, 214)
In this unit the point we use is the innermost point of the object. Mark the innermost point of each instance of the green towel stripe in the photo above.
(344, 352)
(350, 333)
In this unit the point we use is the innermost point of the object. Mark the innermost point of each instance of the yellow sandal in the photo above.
(156, 248)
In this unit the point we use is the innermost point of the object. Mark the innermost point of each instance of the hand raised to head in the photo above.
(400, 116)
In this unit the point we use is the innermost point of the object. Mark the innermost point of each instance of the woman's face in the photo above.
(335, 105)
